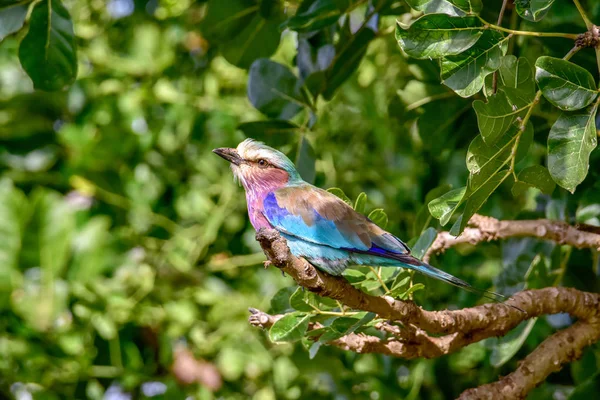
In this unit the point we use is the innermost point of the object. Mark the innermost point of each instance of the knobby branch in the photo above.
(413, 332)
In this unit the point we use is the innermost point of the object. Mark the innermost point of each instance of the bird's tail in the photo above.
(418, 265)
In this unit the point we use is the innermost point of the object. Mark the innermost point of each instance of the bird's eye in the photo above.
(263, 163)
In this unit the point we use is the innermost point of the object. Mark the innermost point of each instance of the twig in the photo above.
(584, 16)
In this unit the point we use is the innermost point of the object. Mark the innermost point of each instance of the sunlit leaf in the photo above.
(340, 193)
(495, 117)
(535, 176)
(533, 10)
(465, 73)
(289, 328)
(436, 7)
(477, 196)
(360, 203)
(564, 84)
(570, 142)
(379, 217)
(423, 217)
(438, 35)
(303, 300)
(443, 207)
(48, 52)
(484, 159)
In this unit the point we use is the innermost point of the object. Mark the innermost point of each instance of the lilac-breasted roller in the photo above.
(318, 225)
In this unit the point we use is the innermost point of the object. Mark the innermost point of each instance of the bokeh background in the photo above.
(127, 263)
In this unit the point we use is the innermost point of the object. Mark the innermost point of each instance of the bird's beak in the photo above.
(230, 155)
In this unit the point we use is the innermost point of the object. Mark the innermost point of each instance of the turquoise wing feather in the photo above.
(317, 216)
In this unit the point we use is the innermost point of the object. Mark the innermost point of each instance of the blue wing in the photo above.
(317, 216)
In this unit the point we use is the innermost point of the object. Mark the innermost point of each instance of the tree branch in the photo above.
(459, 327)
(485, 229)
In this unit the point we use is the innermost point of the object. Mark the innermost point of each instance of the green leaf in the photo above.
(570, 142)
(424, 243)
(468, 6)
(535, 176)
(360, 203)
(496, 116)
(48, 52)
(477, 196)
(343, 326)
(105, 326)
(438, 35)
(260, 38)
(11, 20)
(303, 300)
(56, 226)
(506, 347)
(533, 10)
(320, 14)
(354, 275)
(243, 32)
(379, 217)
(443, 207)
(349, 51)
(516, 81)
(517, 74)
(488, 167)
(436, 7)
(280, 303)
(13, 213)
(584, 368)
(587, 390)
(465, 73)
(266, 128)
(289, 328)
(411, 290)
(305, 160)
(588, 212)
(485, 159)
(423, 217)
(225, 20)
(564, 84)
(340, 193)
(273, 89)
(400, 285)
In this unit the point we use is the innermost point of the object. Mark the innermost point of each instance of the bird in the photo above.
(317, 225)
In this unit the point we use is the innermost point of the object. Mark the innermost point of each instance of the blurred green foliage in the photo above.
(124, 240)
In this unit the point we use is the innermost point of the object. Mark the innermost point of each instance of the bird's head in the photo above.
(255, 164)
